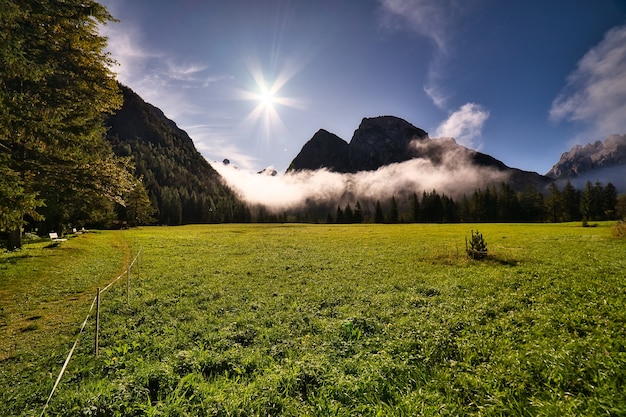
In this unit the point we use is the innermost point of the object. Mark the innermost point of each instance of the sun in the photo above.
(267, 94)
(267, 97)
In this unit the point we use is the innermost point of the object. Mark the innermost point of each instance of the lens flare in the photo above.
(266, 92)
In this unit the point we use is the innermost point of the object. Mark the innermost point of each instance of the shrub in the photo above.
(476, 248)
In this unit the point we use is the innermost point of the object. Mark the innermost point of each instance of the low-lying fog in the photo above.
(453, 175)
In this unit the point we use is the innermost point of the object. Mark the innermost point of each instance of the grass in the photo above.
(321, 320)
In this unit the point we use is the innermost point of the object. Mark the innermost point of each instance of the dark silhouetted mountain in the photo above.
(385, 140)
(382, 141)
(603, 161)
(181, 184)
(323, 150)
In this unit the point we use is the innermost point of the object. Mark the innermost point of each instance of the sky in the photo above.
(253, 80)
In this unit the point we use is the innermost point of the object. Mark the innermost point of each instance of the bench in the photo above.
(55, 237)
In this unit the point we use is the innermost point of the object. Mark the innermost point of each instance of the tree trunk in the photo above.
(14, 240)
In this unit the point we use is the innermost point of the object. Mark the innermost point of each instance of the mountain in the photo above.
(324, 150)
(384, 140)
(604, 161)
(381, 141)
(181, 184)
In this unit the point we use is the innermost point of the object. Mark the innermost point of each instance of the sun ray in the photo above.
(266, 93)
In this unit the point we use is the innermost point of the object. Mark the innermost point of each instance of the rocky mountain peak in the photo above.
(377, 142)
(594, 156)
(385, 140)
(382, 141)
(323, 150)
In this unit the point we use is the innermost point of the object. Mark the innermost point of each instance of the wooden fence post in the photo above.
(127, 284)
(138, 258)
(97, 321)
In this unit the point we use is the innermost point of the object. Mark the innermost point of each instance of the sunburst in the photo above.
(266, 93)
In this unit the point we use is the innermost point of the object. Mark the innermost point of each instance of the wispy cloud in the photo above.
(429, 18)
(595, 92)
(465, 125)
(436, 20)
(151, 70)
(161, 79)
(213, 140)
(124, 48)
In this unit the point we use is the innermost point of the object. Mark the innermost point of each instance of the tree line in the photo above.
(596, 202)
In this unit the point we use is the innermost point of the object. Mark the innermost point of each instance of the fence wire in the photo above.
(82, 328)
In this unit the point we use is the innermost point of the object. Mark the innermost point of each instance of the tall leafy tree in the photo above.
(55, 88)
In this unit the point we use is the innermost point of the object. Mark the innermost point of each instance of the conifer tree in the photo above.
(379, 217)
(571, 203)
(554, 204)
(415, 208)
(348, 215)
(358, 213)
(339, 216)
(55, 88)
(394, 215)
(610, 201)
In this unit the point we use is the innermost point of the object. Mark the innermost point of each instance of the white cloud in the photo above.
(433, 87)
(124, 48)
(465, 125)
(595, 92)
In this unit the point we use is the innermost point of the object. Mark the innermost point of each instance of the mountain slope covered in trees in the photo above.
(181, 184)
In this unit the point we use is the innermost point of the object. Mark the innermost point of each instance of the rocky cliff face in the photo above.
(599, 155)
(377, 142)
(382, 141)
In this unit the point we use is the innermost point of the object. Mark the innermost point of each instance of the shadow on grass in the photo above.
(494, 259)
(14, 258)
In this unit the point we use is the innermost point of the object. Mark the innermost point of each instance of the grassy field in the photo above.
(319, 320)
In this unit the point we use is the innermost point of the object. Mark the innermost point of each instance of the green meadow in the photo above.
(319, 320)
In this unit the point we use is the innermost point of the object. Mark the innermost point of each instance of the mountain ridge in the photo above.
(384, 140)
(181, 183)
(592, 156)
(603, 161)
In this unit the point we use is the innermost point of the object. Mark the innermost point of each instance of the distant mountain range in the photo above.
(384, 140)
(604, 161)
(184, 187)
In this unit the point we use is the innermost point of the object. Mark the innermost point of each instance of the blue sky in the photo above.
(252, 81)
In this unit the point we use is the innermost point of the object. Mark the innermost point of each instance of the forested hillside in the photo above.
(181, 184)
